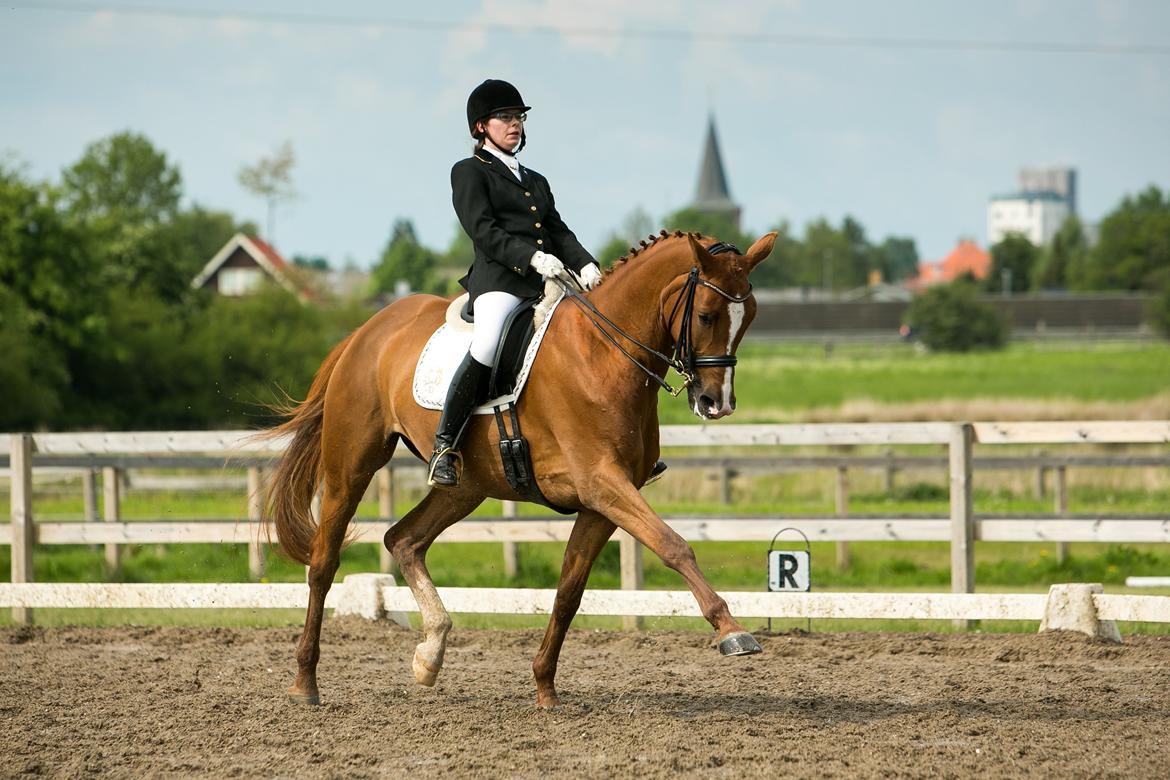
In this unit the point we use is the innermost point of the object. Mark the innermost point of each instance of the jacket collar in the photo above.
(500, 168)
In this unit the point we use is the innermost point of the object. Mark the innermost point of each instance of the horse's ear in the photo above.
(759, 250)
(703, 258)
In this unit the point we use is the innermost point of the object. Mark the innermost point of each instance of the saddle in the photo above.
(522, 335)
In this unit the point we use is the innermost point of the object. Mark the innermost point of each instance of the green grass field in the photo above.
(787, 382)
(774, 383)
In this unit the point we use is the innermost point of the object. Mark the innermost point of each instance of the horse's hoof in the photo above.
(739, 643)
(424, 673)
(297, 697)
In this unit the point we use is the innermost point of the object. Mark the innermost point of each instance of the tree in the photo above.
(404, 259)
(826, 259)
(122, 179)
(33, 372)
(950, 318)
(315, 263)
(123, 197)
(1063, 258)
(44, 263)
(1013, 259)
(1133, 249)
(611, 250)
(720, 226)
(271, 179)
(897, 258)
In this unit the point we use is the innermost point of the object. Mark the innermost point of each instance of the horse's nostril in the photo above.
(708, 402)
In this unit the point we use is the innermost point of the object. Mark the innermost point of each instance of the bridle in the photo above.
(682, 357)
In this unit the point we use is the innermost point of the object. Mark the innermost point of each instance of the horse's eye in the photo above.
(707, 319)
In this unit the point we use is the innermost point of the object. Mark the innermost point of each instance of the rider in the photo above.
(520, 240)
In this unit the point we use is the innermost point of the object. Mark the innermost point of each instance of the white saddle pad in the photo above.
(445, 350)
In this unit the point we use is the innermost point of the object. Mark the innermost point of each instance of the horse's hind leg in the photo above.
(346, 479)
(408, 541)
(590, 533)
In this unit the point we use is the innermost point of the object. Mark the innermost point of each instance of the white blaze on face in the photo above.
(735, 318)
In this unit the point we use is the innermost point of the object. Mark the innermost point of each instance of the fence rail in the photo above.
(961, 527)
(530, 601)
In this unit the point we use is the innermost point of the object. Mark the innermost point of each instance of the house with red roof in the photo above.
(244, 264)
(966, 258)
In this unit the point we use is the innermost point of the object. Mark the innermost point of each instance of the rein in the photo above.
(682, 357)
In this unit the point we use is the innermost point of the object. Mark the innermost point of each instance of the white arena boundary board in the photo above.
(525, 601)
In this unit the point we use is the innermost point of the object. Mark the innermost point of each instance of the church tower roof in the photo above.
(712, 193)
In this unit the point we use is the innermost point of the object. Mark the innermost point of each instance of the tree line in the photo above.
(100, 328)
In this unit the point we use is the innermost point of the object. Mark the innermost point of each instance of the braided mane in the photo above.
(652, 240)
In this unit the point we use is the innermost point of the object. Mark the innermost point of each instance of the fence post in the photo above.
(1061, 508)
(386, 562)
(725, 483)
(962, 513)
(255, 511)
(23, 536)
(1041, 476)
(842, 511)
(89, 494)
(891, 472)
(511, 551)
(632, 575)
(112, 511)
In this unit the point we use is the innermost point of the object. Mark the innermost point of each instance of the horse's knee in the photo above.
(677, 554)
(401, 549)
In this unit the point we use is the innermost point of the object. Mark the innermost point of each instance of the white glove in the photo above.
(547, 265)
(590, 276)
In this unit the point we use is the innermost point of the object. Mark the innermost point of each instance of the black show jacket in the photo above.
(508, 220)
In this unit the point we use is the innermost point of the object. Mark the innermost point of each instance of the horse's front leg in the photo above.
(610, 491)
(408, 541)
(590, 533)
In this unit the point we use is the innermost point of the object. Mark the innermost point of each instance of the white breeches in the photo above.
(491, 309)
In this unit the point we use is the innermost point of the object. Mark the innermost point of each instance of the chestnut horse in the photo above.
(590, 414)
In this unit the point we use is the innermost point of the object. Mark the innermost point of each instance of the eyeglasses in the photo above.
(508, 117)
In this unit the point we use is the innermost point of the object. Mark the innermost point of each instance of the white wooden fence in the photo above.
(961, 527)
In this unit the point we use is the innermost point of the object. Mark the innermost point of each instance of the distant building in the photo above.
(966, 258)
(712, 195)
(244, 264)
(1046, 198)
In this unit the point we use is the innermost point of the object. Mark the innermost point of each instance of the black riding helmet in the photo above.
(491, 96)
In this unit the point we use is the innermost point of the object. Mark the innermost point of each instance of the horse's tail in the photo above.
(288, 498)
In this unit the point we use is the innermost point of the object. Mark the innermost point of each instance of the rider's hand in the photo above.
(548, 265)
(590, 276)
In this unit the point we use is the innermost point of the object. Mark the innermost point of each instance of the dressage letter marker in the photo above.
(788, 570)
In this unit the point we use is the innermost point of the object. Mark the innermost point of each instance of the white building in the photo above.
(1037, 215)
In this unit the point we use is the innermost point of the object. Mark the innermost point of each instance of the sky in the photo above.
(906, 114)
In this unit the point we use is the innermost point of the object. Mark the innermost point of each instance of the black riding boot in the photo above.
(462, 398)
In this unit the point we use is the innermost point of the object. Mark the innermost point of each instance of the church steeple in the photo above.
(712, 194)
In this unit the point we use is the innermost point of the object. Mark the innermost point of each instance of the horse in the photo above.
(589, 411)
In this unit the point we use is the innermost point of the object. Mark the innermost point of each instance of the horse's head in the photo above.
(710, 328)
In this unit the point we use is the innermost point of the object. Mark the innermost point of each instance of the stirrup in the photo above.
(435, 457)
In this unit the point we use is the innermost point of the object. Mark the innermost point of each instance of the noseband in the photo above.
(682, 357)
(684, 350)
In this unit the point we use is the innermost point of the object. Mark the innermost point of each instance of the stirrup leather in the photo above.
(436, 456)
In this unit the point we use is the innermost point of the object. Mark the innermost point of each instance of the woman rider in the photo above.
(520, 240)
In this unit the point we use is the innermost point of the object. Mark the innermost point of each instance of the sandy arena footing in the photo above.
(181, 701)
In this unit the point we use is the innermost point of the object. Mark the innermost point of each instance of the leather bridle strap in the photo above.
(590, 311)
(682, 358)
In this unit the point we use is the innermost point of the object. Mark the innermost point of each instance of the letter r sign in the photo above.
(788, 570)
